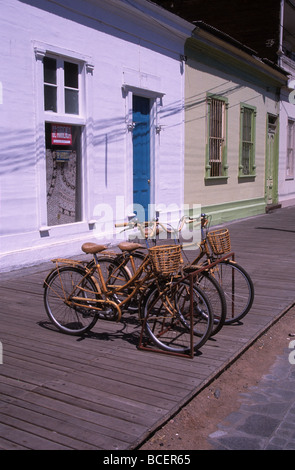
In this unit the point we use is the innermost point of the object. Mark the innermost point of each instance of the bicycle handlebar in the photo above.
(142, 226)
(155, 224)
(124, 224)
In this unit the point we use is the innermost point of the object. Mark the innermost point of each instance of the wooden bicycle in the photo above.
(227, 284)
(118, 267)
(215, 255)
(175, 316)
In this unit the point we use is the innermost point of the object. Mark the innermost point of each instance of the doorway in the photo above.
(141, 156)
(271, 163)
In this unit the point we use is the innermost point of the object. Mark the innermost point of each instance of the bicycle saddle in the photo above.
(129, 246)
(93, 248)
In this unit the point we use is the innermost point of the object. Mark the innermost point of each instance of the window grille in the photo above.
(216, 136)
(247, 141)
(247, 146)
(290, 149)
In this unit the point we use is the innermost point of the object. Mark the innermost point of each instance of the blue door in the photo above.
(141, 156)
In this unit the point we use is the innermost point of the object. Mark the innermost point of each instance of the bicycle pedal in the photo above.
(108, 314)
(85, 312)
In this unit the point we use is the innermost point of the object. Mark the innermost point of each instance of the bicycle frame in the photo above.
(133, 282)
(88, 287)
(204, 248)
(72, 300)
(211, 259)
(107, 290)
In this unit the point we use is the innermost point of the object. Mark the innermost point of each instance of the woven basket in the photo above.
(219, 241)
(165, 259)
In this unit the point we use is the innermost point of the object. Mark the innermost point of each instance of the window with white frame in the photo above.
(61, 86)
(61, 82)
(217, 137)
(290, 149)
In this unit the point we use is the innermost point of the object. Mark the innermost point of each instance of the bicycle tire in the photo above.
(58, 286)
(238, 289)
(210, 287)
(216, 296)
(167, 317)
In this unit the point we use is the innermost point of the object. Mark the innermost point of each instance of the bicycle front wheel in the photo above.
(167, 317)
(62, 284)
(238, 288)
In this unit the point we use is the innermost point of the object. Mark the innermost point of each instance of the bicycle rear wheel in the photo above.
(238, 288)
(216, 296)
(60, 285)
(167, 317)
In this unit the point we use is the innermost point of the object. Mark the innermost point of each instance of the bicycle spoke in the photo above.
(62, 286)
(238, 289)
(168, 319)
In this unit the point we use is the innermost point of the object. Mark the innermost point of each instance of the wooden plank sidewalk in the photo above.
(101, 392)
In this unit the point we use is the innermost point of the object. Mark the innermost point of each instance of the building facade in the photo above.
(268, 28)
(232, 127)
(286, 60)
(92, 115)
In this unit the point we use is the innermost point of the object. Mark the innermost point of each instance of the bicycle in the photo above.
(219, 267)
(118, 266)
(175, 316)
(236, 283)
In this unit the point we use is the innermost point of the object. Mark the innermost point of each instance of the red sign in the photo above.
(61, 135)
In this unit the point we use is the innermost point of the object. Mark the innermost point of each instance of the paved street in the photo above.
(266, 418)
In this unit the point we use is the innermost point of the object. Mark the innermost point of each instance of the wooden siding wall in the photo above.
(205, 75)
(120, 49)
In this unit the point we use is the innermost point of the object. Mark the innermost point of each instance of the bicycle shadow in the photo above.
(123, 333)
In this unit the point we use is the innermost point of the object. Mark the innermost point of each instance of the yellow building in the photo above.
(231, 127)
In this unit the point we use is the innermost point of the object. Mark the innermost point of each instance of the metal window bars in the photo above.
(216, 136)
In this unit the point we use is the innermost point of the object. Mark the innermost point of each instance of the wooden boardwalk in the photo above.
(101, 392)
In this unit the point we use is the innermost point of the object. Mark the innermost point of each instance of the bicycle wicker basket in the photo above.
(219, 241)
(165, 259)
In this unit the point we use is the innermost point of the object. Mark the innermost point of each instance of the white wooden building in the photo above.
(79, 79)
